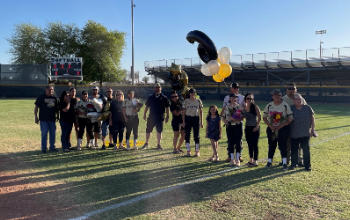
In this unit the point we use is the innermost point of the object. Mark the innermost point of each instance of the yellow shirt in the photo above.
(129, 105)
(192, 107)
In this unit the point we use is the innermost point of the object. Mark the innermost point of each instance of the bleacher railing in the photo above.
(283, 59)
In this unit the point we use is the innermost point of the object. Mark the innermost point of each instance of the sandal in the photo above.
(179, 149)
(211, 159)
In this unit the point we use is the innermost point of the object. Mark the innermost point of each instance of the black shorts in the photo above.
(96, 127)
(158, 123)
(176, 126)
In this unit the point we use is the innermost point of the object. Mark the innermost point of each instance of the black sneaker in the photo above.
(308, 169)
(292, 167)
(144, 146)
(43, 151)
(103, 147)
(268, 165)
(285, 167)
(54, 150)
(110, 145)
(280, 164)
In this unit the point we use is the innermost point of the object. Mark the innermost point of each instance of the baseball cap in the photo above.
(157, 85)
(95, 87)
(276, 91)
(234, 85)
(192, 90)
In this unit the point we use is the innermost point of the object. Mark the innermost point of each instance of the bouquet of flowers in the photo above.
(275, 118)
(137, 105)
(238, 114)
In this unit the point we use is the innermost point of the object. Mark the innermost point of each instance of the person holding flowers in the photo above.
(277, 116)
(131, 106)
(233, 117)
(252, 129)
(302, 128)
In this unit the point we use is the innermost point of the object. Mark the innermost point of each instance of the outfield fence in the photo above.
(311, 94)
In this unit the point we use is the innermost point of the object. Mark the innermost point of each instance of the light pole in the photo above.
(132, 42)
(321, 32)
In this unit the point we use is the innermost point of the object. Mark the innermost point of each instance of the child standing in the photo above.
(213, 130)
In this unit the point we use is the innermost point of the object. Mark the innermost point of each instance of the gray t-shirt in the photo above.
(300, 126)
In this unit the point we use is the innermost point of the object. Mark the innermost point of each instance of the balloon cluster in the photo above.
(215, 64)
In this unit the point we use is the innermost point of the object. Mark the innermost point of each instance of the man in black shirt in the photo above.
(157, 103)
(48, 113)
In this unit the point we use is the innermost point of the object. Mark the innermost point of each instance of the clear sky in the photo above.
(160, 26)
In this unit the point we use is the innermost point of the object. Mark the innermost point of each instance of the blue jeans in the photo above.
(66, 130)
(105, 125)
(45, 127)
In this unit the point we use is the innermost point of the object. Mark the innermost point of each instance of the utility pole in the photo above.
(321, 32)
(132, 40)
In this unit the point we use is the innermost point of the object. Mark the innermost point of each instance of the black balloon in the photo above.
(172, 78)
(206, 48)
(176, 85)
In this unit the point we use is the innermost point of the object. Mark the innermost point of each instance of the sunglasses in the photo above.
(174, 96)
(291, 88)
(250, 99)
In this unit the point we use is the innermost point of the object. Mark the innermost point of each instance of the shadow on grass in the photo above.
(110, 178)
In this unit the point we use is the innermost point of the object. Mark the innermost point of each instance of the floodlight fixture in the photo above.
(320, 33)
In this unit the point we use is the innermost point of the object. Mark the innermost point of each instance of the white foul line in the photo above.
(149, 195)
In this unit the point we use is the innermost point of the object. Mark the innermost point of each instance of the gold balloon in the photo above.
(225, 70)
(217, 78)
(219, 61)
(185, 92)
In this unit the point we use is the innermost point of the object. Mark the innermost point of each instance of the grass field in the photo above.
(69, 185)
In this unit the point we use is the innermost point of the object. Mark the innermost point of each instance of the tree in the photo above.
(62, 40)
(145, 79)
(102, 50)
(27, 46)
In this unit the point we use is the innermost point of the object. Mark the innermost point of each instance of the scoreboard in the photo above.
(66, 67)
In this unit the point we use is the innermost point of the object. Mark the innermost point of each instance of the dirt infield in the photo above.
(21, 198)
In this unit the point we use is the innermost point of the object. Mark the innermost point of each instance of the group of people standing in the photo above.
(290, 123)
(71, 111)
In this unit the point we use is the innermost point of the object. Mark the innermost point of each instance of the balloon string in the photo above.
(225, 84)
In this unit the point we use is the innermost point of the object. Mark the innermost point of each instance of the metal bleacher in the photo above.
(328, 67)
